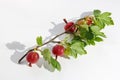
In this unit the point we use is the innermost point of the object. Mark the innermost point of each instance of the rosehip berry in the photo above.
(89, 22)
(58, 50)
(32, 57)
(70, 27)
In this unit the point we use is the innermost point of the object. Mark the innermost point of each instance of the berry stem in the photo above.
(56, 57)
(65, 21)
(30, 65)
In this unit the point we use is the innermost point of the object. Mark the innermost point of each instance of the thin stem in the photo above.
(65, 21)
(56, 42)
(53, 38)
(56, 57)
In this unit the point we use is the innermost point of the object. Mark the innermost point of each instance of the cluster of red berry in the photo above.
(58, 50)
(83, 32)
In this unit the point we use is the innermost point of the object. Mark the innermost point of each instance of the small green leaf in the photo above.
(96, 31)
(101, 34)
(76, 39)
(98, 39)
(70, 52)
(96, 12)
(58, 66)
(78, 47)
(105, 14)
(55, 64)
(85, 26)
(73, 53)
(108, 20)
(99, 23)
(39, 40)
(83, 32)
(46, 54)
(89, 35)
(91, 42)
(95, 28)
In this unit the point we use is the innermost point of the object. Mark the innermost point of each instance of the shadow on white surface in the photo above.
(19, 50)
(86, 14)
(57, 29)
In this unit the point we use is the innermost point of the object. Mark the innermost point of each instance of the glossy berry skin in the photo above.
(32, 57)
(58, 50)
(69, 27)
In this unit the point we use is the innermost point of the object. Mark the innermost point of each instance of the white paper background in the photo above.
(22, 20)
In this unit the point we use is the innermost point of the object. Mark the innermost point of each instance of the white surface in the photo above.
(22, 20)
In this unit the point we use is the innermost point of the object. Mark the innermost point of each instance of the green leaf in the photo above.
(39, 40)
(90, 42)
(105, 14)
(46, 54)
(75, 39)
(101, 34)
(67, 51)
(95, 28)
(73, 53)
(98, 39)
(70, 52)
(86, 34)
(102, 19)
(55, 64)
(96, 31)
(85, 26)
(78, 47)
(99, 23)
(89, 35)
(83, 32)
(108, 20)
(96, 12)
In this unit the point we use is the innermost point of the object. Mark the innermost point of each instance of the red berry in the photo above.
(89, 22)
(69, 27)
(32, 57)
(58, 50)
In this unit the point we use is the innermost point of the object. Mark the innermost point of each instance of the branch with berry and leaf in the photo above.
(85, 31)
